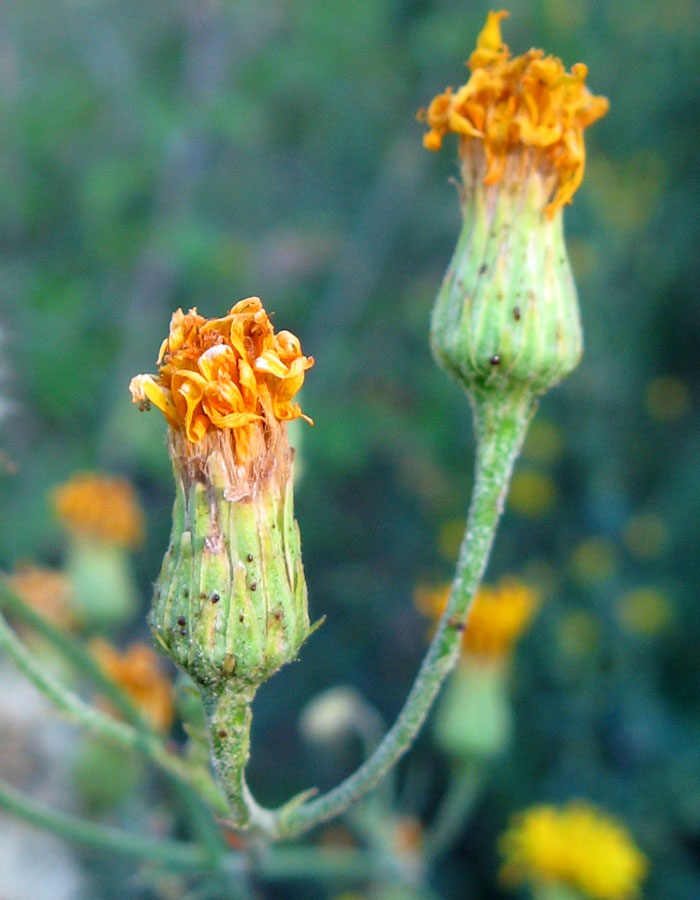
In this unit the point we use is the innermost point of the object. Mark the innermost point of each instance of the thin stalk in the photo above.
(275, 864)
(462, 793)
(173, 854)
(229, 717)
(98, 723)
(501, 421)
(74, 651)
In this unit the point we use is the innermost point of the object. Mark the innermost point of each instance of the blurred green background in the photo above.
(156, 155)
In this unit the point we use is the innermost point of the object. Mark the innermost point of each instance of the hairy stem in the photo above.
(72, 650)
(229, 717)
(173, 854)
(500, 421)
(275, 864)
(463, 791)
(98, 723)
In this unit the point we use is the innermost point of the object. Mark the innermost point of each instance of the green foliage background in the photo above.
(156, 155)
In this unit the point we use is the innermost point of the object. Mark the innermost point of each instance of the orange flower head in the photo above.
(137, 672)
(46, 591)
(100, 507)
(227, 384)
(524, 110)
(497, 618)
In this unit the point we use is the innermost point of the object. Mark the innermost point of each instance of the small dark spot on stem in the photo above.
(222, 733)
(253, 587)
(458, 626)
(483, 268)
(183, 631)
(215, 598)
(250, 557)
(185, 592)
(516, 313)
(181, 621)
(495, 359)
(241, 619)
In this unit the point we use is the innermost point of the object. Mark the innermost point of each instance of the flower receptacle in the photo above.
(507, 315)
(230, 605)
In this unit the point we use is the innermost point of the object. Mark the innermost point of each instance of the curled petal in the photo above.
(144, 389)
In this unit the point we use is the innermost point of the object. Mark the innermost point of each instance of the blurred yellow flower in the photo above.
(578, 633)
(450, 538)
(667, 398)
(528, 108)
(497, 618)
(593, 560)
(46, 591)
(627, 191)
(138, 673)
(646, 536)
(544, 442)
(644, 611)
(100, 507)
(531, 493)
(576, 846)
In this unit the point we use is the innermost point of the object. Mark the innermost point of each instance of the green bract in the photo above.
(507, 313)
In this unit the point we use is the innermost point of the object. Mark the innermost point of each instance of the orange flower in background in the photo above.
(100, 507)
(497, 618)
(227, 381)
(138, 673)
(46, 591)
(528, 105)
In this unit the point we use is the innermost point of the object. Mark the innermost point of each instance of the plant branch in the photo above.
(463, 790)
(74, 651)
(173, 854)
(501, 421)
(275, 864)
(98, 723)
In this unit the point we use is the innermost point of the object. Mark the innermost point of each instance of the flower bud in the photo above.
(474, 718)
(507, 313)
(229, 606)
(230, 603)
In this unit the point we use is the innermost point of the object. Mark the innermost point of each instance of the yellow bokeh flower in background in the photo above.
(644, 611)
(593, 560)
(576, 846)
(667, 398)
(497, 618)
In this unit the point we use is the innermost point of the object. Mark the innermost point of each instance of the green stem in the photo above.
(500, 421)
(229, 717)
(74, 651)
(462, 793)
(278, 864)
(172, 854)
(98, 723)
